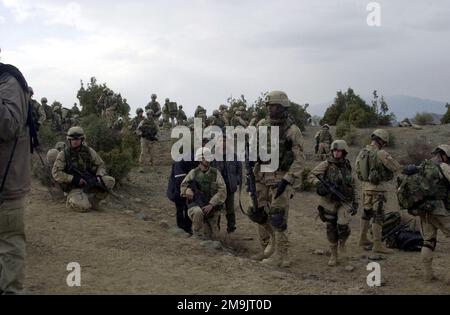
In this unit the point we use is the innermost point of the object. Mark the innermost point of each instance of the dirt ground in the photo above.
(132, 247)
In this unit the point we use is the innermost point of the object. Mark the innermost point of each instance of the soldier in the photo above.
(15, 177)
(205, 191)
(166, 112)
(437, 214)
(200, 112)
(181, 116)
(237, 120)
(38, 111)
(155, 107)
(75, 110)
(223, 109)
(148, 131)
(136, 120)
(254, 120)
(110, 109)
(173, 112)
(56, 118)
(231, 172)
(47, 109)
(324, 139)
(274, 188)
(217, 120)
(337, 172)
(72, 168)
(118, 124)
(375, 167)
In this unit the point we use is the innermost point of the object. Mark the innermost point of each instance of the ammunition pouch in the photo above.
(278, 219)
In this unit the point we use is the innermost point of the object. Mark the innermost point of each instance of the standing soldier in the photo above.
(274, 188)
(436, 215)
(254, 120)
(15, 177)
(72, 168)
(38, 111)
(47, 109)
(205, 190)
(223, 109)
(200, 112)
(56, 118)
(181, 116)
(337, 172)
(217, 120)
(75, 110)
(166, 112)
(324, 139)
(173, 112)
(155, 107)
(110, 109)
(148, 131)
(237, 120)
(136, 120)
(375, 167)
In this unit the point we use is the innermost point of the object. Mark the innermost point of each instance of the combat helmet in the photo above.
(339, 145)
(75, 133)
(60, 146)
(443, 148)
(153, 96)
(381, 134)
(44, 100)
(277, 97)
(326, 126)
(150, 112)
(139, 110)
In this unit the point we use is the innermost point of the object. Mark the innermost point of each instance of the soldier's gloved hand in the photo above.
(354, 209)
(281, 188)
(207, 209)
(322, 190)
(78, 181)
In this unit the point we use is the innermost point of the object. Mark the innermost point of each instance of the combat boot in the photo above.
(427, 260)
(258, 257)
(363, 240)
(378, 246)
(334, 255)
(275, 259)
(270, 248)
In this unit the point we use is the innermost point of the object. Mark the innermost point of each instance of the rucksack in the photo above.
(404, 238)
(415, 188)
(369, 168)
(173, 107)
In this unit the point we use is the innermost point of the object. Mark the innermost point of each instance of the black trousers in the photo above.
(183, 221)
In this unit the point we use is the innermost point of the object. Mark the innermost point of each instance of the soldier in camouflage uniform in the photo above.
(166, 112)
(47, 108)
(336, 171)
(223, 109)
(181, 116)
(324, 139)
(274, 188)
(204, 214)
(52, 154)
(78, 156)
(155, 107)
(110, 109)
(75, 110)
(435, 215)
(375, 167)
(38, 111)
(254, 120)
(200, 112)
(56, 118)
(148, 131)
(217, 120)
(136, 120)
(237, 120)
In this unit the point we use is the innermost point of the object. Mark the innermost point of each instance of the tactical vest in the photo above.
(370, 169)
(325, 136)
(285, 145)
(339, 174)
(207, 182)
(81, 160)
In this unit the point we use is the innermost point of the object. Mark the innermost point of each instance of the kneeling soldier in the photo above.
(206, 192)
(81, 172)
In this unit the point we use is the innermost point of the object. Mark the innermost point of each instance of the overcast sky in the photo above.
(199, 52)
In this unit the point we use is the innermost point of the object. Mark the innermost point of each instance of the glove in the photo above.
(322, 190)
(76, 180)
(354, 209)
(281, 188)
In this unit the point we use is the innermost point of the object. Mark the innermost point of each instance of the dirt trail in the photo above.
(119, 252)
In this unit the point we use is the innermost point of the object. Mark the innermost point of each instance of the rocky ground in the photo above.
(132, 246)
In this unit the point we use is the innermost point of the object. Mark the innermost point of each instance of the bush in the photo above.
(118, 163)
(347, 132)
(423, 119)
(48, 137)
(98, 135)
(446, 118)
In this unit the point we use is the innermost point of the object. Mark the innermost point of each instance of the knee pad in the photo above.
(332, 233)
(343, 231)
(277, 219)
(259, 216)
(431, 244)
(325, 216)
(367, 214)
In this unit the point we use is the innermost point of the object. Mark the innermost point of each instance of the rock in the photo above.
(320, 252)
(349, 268)
(178, 232)
(129, 212)
(139, 200)
(142, 216)
(216, 245)
(164, 224)
(375, 257)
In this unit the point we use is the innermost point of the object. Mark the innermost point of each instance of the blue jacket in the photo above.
(231, 172)
(179, 171)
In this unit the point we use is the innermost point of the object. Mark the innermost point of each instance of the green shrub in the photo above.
(446, 118)
(423, 119)
(347, 132)
(98, 135)
(118, 163)
(48, 137)
(306, 185)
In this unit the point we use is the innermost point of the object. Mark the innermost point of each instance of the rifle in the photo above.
(316, 148)
(335, 192)
(92, 183)
(251, 182)
(200, 199)
(397, 229)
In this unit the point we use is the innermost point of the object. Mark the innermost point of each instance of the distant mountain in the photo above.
(401, 105)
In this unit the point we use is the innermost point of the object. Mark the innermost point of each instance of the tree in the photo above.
(375, 101)
(423, 119)
(384, 118)
(446, 118)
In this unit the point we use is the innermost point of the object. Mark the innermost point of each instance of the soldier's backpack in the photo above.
(400, 236)
(173, 107)
(417, 185)
(368, 167)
